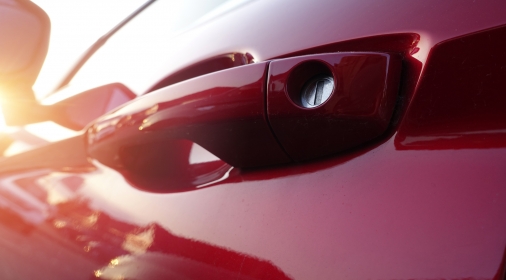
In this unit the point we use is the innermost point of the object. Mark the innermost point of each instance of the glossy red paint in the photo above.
(404, 44)
(225, 115)
(460, 101)
(222, 112)
(358, 110)
(389, 209)
(210, 65)
(396, 225)
(285, 27)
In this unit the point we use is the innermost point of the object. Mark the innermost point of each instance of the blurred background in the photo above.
(76, 25)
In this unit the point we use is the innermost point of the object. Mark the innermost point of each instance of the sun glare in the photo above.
(75, 26)
(3, 126)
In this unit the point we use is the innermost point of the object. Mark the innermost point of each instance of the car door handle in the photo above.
(230, 114)
(223, 112)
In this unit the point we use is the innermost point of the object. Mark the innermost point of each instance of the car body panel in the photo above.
(272, 29)
(388, 209)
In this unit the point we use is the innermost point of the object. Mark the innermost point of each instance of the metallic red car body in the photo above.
(425, 200)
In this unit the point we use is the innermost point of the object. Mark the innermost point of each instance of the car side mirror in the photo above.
(24, 39)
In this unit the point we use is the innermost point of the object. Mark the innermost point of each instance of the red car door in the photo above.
(220, 171)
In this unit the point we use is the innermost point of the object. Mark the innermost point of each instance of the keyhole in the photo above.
(317, 91)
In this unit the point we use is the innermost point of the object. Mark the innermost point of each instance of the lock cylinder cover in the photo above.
(319, 105)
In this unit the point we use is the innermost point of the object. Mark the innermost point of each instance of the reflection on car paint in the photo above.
(149, 251)
(459, 103)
